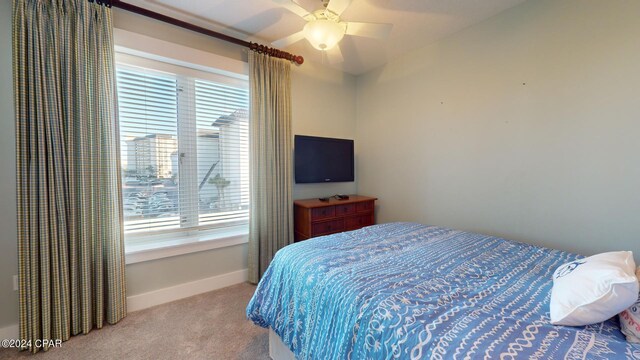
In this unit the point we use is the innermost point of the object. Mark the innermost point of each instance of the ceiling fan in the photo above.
(324, 28)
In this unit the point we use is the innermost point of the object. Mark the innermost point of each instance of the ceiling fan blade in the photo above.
(334, 55)
(378, 31)
(286, 41)
(295, 8)
(338, 6)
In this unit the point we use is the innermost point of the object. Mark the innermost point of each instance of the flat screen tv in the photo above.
(320, 160)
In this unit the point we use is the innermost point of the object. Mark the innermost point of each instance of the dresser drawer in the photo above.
(314, 217)
(356, 222)
(364, 206)
(327, 227)
(325, 212)
(345, 209)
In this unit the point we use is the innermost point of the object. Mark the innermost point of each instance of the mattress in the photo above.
(411, 291)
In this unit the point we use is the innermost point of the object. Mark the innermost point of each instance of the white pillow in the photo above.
(593, 289)
(630, 319)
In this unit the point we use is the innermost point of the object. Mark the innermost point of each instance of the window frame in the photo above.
(135, 50)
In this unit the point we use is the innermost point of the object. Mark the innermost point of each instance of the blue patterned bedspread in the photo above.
(411, 291)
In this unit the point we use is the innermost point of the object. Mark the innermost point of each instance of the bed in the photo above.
(411, 291)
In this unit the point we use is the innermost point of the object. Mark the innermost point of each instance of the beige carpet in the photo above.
(207, 326)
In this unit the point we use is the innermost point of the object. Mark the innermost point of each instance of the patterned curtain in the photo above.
(271, 214)
(70, 238)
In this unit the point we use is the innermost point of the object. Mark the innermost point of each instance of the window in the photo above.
(184, 146)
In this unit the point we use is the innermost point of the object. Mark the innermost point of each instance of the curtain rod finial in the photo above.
(298, 59)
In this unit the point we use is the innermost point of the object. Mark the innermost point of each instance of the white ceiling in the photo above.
(416, 23)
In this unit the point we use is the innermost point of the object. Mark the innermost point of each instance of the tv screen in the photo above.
(319, 159)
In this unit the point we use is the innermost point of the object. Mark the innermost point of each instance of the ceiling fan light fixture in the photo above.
(324, 34)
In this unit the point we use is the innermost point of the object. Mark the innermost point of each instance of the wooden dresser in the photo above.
(313, 217)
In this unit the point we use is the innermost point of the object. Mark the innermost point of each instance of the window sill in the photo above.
(186, 245)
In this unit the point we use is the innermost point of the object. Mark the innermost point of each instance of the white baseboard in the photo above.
(173, 293)
(9, 332)
(161, 296)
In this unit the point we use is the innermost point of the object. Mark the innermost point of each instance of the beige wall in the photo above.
(324, 104)
(157, 274)
(8, 243)
(526, 126)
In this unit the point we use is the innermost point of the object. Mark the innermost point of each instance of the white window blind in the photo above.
(222, 151)
(184, 151)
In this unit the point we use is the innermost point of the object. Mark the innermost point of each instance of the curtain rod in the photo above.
(183, 24)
